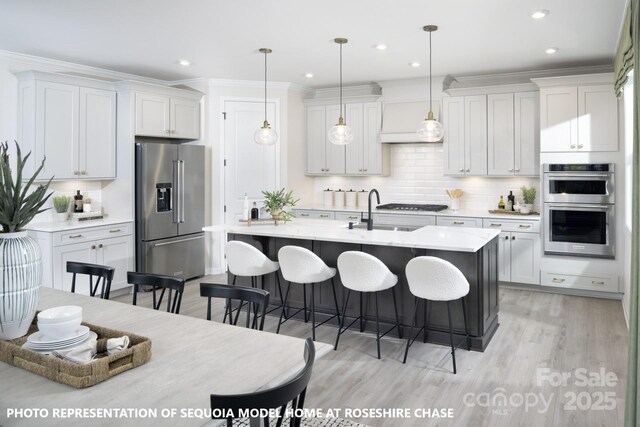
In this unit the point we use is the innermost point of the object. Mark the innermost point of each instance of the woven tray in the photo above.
(100, 369)
(506, 212)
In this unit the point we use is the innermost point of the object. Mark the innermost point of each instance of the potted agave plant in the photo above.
(21, 260)
(275, 203)
(61, 206)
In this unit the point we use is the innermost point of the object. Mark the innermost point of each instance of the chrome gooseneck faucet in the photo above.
(369, 219)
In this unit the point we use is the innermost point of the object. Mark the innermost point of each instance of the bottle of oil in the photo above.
(255, 212)
(501, 204)
(77, 202)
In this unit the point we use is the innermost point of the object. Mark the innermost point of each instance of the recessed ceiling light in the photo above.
(309, 75)
(381, 46)
(184, 62)
(539, 14)
(551, 50)
(415, 64)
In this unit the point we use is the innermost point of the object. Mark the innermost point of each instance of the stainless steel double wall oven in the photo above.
(579, 209)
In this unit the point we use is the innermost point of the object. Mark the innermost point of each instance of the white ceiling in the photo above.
(221, 38)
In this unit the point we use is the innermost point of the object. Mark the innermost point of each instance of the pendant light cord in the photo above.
(341, 80)
(265, 85)
(430, 74)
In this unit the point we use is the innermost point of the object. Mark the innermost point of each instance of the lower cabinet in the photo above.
(524, 257)
(313, 214)
(92, 245)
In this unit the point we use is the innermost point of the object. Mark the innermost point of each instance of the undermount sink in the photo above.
(363, 226)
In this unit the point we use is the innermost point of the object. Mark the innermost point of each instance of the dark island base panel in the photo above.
(480, 269)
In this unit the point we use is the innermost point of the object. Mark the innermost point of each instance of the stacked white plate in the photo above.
(41, 343)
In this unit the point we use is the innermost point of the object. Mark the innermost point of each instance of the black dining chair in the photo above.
(103, 275)
(175, 285)
(254, 297)
(276, 398)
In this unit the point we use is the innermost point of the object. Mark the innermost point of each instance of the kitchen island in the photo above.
(473, 250)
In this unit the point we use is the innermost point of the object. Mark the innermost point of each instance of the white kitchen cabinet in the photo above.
(334, 163)
(519, 250)
(465, 140)
(166, 116)
(69, 120)
(313, 214)
(316, 140)
(513, 134)
(578, 117)
(110, 245)
(454, 221)
(354, 152)
(346, 216)
(585, 281)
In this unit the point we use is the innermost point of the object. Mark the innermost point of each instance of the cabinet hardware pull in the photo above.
(365, 170)
(173, 132)
(506, 237)
(359, 170)
(100, 246)
(513, 237)
(117, 230)
(597, 282)
(461, 170)
(511, 170)
(524, 226)
(458, 222)
(354, 217)
(468, 170)
(493, 224)
(167, 131)
(75, 236)
(557, 280)
(573, 145)
(580, 146)
(303, 214)
(517, 170)
(93, 246)
(324, 216)
(76, 172)
(327, 170)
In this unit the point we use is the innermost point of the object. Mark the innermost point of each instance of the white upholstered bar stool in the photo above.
(301, 266)
(365, 273)
(434, 279)
(245, 260)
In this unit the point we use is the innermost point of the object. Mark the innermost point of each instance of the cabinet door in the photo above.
(152, 115)
(453, 147)
(475, 135)
(97, 139)
(354, 152)
(504, 257)
(79, 252)
(558, 119)
(117, 252)
(527, 134)
(525, 258)
(597, 118)
(185, 118)
(335, 154)
(57, 129)
(372, 146)
(316, 139)
(500, 133)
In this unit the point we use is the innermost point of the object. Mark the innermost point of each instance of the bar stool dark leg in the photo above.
(361, 316)
(335, 298)
(395, 309)
(304, 298)
(413, 324)
(424, 333)
(377, 326)
(453, 350)
(233, 283)
(313, 312)
(280, 292)
(466, 330)
(341, 324)
(286, 297)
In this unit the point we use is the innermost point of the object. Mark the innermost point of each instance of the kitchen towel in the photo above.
(85, 352)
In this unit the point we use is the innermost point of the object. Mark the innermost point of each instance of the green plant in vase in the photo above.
(529, 198)
(61, 206)
(275, 203)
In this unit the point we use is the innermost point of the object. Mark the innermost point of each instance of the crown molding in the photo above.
(581, 79)
(372, 89)
(71, 68)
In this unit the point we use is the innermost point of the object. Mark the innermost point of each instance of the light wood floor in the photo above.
(537, 331)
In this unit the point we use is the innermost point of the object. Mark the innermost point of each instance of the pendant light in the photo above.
(430, 129)
(265, 135)
(340, 134)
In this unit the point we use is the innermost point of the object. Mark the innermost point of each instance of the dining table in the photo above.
(191, 359)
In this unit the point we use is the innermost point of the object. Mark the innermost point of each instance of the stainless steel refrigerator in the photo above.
(170, 209)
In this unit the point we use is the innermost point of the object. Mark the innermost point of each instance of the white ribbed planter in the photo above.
(20, 279)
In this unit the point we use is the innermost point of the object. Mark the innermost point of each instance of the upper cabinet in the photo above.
(365, 155)
(69, 121)
(578, 113)
(167, 116)
(465, 135)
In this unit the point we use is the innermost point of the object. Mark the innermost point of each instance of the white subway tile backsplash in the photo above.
(416, 176)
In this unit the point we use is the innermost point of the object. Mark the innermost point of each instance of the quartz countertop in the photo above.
(429, 237)
(52, 227)
(467, 213)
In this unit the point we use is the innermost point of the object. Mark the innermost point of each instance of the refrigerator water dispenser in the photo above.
(163, 197)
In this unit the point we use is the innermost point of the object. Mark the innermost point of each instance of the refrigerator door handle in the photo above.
(175, 201)
(181, 171)
(177, 241)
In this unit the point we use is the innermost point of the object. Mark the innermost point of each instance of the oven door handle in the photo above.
(575, 177)
(580, 206)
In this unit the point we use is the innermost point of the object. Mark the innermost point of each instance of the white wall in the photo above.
(627, 133)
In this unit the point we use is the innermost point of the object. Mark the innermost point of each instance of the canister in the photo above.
(351, 199)
(327, 197)
(338, 199)
(363, 199)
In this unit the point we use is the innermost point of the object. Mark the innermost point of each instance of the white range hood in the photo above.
(400, 120)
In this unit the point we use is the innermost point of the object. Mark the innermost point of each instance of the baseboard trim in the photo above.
(563, 291)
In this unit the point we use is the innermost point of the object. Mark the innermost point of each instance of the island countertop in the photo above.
(428, 237)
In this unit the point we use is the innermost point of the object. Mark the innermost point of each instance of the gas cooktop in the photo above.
(411, 207)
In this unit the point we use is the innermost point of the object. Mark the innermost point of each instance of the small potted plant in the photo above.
(529, 198)
(21, 269)
(275, 203)
(61, 206)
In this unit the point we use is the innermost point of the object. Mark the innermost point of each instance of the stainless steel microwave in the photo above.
(579, 183)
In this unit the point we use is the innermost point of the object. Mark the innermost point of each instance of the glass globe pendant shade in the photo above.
(340, 134)
(430, 130)
(265, 135)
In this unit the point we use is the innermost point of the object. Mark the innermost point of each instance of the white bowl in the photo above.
(61, 330)
(60, 314)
